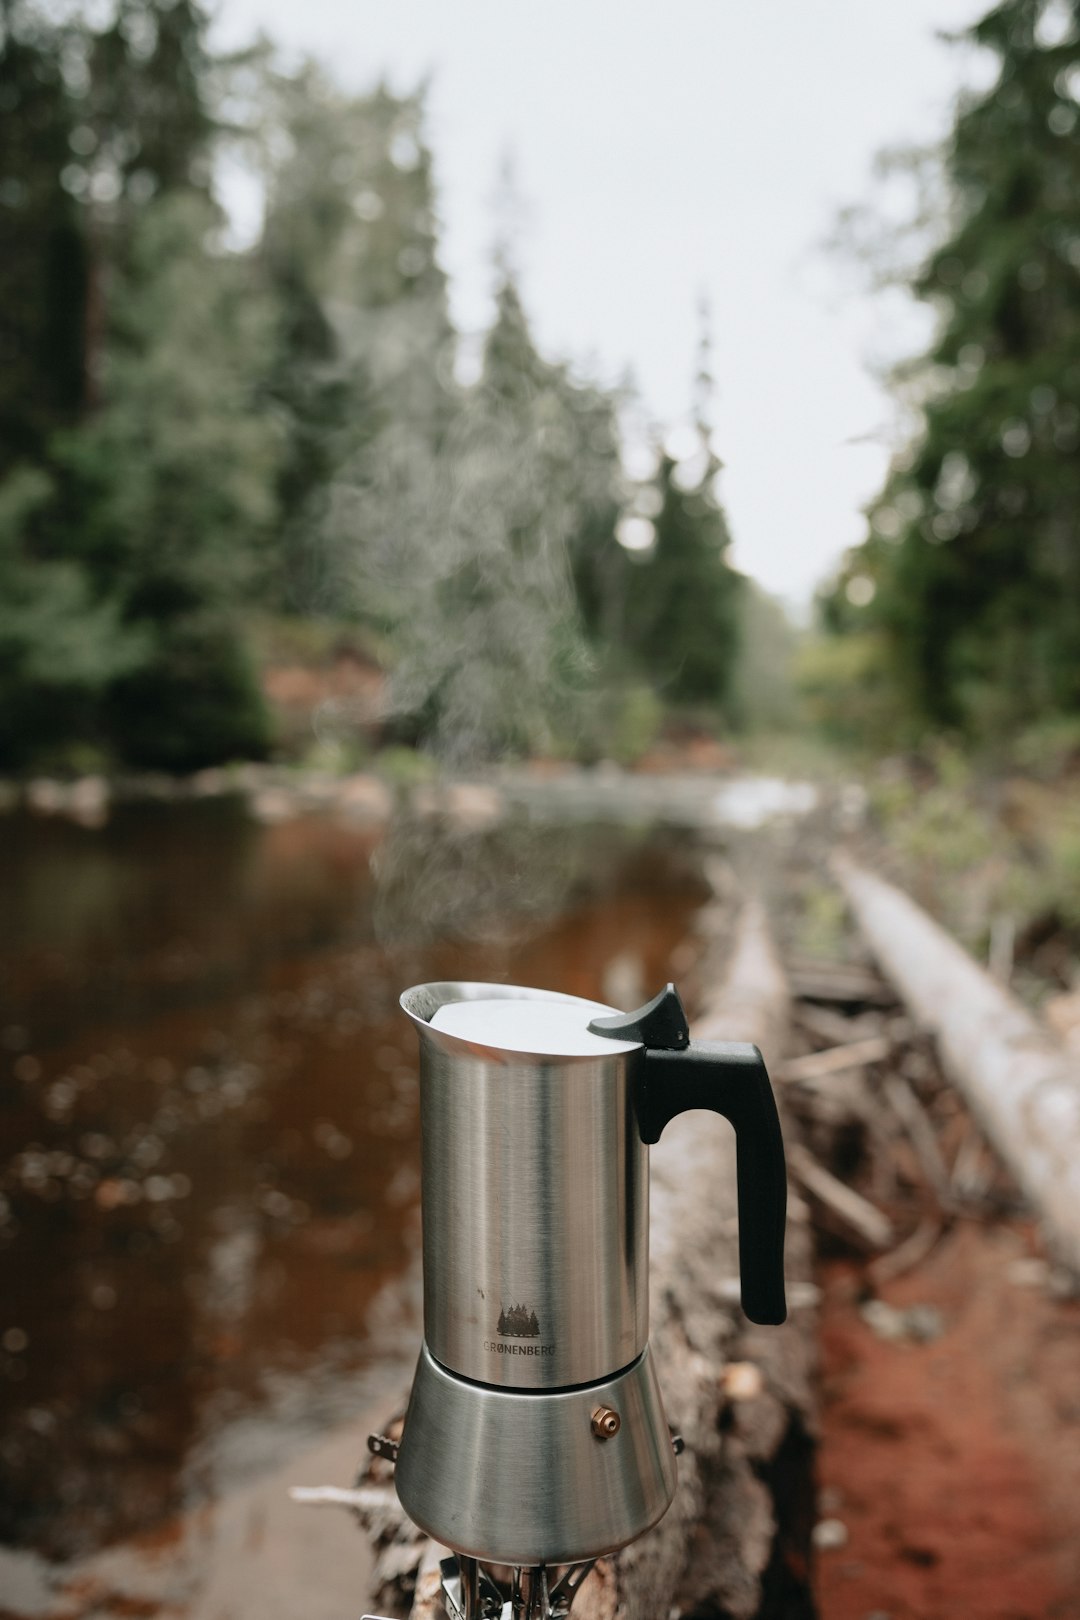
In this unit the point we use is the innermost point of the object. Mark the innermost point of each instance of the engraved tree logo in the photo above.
(518, 1323)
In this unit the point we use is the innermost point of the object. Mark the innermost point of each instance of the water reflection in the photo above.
(208, 1123)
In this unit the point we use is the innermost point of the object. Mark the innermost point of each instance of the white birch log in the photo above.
(1021, 1082)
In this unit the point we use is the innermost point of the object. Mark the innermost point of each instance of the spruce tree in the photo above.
(168, 490)
(681, 604)
(363, 367)
(972, 570)
(42, 240)
(125, 554)
(489, 652)
(150, 99)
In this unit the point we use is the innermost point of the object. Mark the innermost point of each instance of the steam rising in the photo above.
(438, 879)
(463, 552)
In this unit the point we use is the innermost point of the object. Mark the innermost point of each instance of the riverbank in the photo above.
(545, 790)
(283, 1122)
(208, 1176)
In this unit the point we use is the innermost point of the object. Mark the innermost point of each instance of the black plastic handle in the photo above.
(730, 1078)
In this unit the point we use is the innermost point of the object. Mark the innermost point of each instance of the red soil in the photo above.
(954, 1465)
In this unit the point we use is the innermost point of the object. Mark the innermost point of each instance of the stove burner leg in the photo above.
(469, 1570)
(470, 1593)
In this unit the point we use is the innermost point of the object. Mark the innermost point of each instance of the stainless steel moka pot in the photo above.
(535, 1433)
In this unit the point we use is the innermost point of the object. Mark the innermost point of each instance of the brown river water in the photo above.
(208, 1121)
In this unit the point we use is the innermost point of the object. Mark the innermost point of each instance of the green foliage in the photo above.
(176, 463)
(972, 573)
(681, 611)
(194, 439)
(461, 550)
(135, 524)
(148, 117)
(43, 265)
(404, 767)
(61, 644)
(362, 364)
(170, 489)
(682, 603)
(847, 692)
(1062, 863)
(635, 724)
(943, 826)
(195, 701)
(976, 848)
(821, 921)
(1050, 749)
(762, 685)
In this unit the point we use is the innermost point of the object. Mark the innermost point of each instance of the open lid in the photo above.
(514, 1021)
(533, 1028)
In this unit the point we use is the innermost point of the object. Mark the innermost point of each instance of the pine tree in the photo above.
(320, 394)
(167, 492)
(681, 607)
(150, 101)
(466, 553)
(972, 570)
(364, 361)
(124, 552)
(63, 641)
(42, 241)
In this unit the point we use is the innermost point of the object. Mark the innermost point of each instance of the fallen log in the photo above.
(816, 1066)
(835, 1029)
(854, 1212)
(740, 1396)
(842, 982)
(721, 1544)
(1022, 1084)
(909, 1254)
(921, 1134)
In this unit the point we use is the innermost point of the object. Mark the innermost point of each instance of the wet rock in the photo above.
(365, 798)
(272, 805)
(88, 801)
(209, 783)
(44, 796)
(753, 801)
(472, 806)
(742, 1380)
(918, 1324)
(829, 1534)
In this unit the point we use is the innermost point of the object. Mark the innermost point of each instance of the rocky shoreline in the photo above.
(275, 793)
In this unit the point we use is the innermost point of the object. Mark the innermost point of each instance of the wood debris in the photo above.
(837, 982)
(835, 1059)
(862, 1219)
(889, 1154)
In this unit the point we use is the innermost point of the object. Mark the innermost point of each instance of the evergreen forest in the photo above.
(211, 453)
(206, 450)
(960, 613)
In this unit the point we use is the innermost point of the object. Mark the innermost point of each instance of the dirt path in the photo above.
(954, 1464)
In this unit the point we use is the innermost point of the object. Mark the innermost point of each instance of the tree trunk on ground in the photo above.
(1022, 1084)
(735, 1541)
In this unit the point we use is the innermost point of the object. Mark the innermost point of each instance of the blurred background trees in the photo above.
(211, 452)
(962, 609)
(200, 441)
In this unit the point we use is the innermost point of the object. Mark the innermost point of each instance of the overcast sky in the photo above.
(665, 149)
